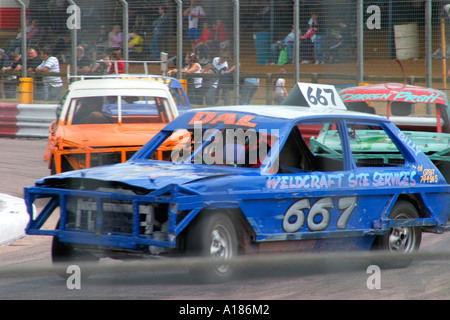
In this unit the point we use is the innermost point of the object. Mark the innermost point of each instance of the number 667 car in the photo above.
(236, 180)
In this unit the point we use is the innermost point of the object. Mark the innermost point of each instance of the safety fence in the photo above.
(353, 40)
(32, 120)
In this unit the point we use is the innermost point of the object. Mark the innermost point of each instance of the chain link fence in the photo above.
(342, 42)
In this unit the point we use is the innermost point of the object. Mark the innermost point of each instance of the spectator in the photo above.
(10, 85)
(84, 64)
(319, 32)
(194, 84)
(248, 90)
(226, 75)
(194, 13)
(209, 86)
(221, 35)
(160, 28)
(135, 43)
(203, 46)
(340, 41)
(102, 65)
(32, 32)
(116, 65)
(280, 89)
(115, 38)
(101, 42)
(33, 61)
(52, 84)
(4, 63)
(287, 42)
(307, 46)
(220, 63)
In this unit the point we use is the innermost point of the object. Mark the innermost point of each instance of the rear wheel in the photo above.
(401, 240)
(213, 235)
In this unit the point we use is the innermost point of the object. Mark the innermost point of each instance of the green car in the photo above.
(421, 113)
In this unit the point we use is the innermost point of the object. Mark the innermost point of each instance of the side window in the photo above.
(325, 145)
(371, 146)
(312, 147)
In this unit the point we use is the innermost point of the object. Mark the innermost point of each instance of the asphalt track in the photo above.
(26, 273)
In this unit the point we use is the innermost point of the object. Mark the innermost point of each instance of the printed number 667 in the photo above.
(295, 217)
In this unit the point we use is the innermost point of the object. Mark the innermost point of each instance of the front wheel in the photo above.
(64, 254)
(401, 240)
(213, 235)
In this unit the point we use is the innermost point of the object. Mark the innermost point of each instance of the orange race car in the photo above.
(105, 121)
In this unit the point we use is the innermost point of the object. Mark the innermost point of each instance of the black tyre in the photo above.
(65, 254)
(212, 235)
(400, 240)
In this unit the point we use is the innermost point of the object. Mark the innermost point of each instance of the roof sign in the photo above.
(314, 96)
(393, 92)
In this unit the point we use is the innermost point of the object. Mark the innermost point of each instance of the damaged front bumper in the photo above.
(114, 219)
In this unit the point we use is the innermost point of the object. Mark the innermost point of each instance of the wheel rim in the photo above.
(402, 239)
(221, 247)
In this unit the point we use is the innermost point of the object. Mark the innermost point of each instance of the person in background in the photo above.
(341, 41)
(209, 86)
(136, 43)
(33, 61)
(280, 89)
(194, 84)
(225, 84)
(101, 65)
(12, 81)
(84, 64)
(52, 84)
(319, 32)
(248, 90)
(203, 46)
(101, 42)
(287, 42)
(32, 32)
(160, 30)
(307, 45)
(194, 13)
(4, 63)
(221, 35)
(116, 64)
(115, 38)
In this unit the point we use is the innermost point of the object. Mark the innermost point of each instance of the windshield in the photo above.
(225, 147)
(118, 109)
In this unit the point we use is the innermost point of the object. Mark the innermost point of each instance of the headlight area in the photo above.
(110, 217)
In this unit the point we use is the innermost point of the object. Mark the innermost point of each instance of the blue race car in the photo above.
(237, 180)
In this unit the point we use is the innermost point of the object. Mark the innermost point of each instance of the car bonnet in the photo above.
(150, 174)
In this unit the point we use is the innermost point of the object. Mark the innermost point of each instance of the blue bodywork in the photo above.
(108, 206)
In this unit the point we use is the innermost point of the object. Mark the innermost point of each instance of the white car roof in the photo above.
(288, 112)
(103, 87)
(117, 84)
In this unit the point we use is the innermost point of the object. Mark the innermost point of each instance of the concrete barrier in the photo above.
(26, 120)
(33, 120)
(8, 119)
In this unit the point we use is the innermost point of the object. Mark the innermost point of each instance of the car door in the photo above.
(330, 185)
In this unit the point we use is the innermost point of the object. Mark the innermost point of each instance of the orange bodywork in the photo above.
(87, 140)
(105, 121)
